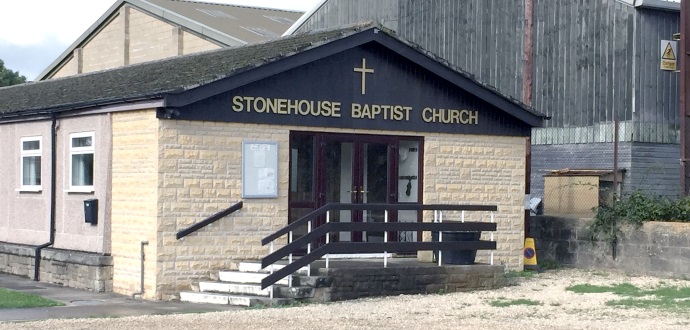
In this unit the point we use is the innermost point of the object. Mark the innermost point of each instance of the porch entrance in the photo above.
(358, 169)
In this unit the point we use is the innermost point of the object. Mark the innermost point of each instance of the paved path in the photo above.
(88, 304)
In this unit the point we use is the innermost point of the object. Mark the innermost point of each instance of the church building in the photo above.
(103, 167)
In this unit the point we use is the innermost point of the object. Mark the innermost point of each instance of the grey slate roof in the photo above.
(226, 25)
(153, 79)
(175, 75)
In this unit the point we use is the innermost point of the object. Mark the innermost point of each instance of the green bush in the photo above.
(636, 209)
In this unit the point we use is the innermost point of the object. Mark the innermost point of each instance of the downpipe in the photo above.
(141, 282)
(53, 161)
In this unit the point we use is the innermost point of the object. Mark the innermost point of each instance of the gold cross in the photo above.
(363, 70)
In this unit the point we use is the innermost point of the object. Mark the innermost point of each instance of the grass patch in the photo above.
(625, 289)
(599, 273)
(662, 298)
(516, 274)
(505, 303)
(16, 299)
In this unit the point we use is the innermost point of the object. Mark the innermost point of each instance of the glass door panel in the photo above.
(302, 179)
(375, 183)
(408, 185)
(338, 180)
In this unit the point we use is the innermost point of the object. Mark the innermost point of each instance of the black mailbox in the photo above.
(91, 211)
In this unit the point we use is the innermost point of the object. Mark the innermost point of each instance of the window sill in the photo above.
(80, 190)
(29, 190)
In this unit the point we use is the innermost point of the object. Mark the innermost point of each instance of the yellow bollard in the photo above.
(530, 254)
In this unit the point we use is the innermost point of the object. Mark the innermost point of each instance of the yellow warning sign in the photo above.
(668, 55)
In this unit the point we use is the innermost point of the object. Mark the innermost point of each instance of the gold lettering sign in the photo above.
(286, 107)
(279, 106)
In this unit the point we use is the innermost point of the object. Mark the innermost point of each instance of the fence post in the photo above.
(492, 239)
(290, 262)
(271, 287)
(328, 236)
(440, 236)
(385, 240)
(309, 247)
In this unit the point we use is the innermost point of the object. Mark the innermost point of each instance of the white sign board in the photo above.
(669, 49)
(259, 170)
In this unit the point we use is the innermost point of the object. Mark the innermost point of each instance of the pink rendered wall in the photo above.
(25, 216)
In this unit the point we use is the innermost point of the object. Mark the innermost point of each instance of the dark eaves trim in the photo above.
(88, 108)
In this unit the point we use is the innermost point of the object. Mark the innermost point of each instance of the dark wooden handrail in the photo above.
(372, 207)
(209, 220)
(362, 247)
(372, 226)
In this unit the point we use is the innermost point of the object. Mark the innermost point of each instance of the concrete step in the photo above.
(234, 288)
(234, 300)
(295, 292)
(313, 281)
(255, 267)
(245, 277)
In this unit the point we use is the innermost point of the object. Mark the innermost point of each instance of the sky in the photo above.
(33, 33)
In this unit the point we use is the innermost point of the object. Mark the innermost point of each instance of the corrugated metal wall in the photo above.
(657, 103)
(583, 64)
(482, 37)
(335, 13)
(585, 55)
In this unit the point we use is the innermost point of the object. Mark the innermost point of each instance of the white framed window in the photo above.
(30, 163)
(81, 162)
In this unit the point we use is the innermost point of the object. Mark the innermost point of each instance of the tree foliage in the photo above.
(9, 77)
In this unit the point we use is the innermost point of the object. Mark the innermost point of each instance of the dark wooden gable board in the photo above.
(418, 92)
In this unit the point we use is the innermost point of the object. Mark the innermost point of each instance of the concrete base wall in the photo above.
(657, 248)
(69, 268)
(354, 283)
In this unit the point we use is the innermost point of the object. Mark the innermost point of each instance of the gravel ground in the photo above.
(559, 309)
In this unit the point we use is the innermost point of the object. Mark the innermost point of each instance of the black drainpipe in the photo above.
(53, 161)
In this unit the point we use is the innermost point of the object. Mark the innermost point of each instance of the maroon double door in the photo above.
(359, 169)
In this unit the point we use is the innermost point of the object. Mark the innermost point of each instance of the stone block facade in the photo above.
(134, 200)
(171, 174)
(466, 169)
(656, 248)
(200, 174)
(75, 269)
(129, 37)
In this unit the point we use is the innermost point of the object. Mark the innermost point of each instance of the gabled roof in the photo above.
(179, 81)
(226, 25)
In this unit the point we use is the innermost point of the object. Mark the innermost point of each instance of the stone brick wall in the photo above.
(200, 174)
(149, 39)
(69, 268)
(191, 43)
(657, 248)
(465, 169)
(106, 49)
(354, 283)
(68, 69)
(135, 196)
